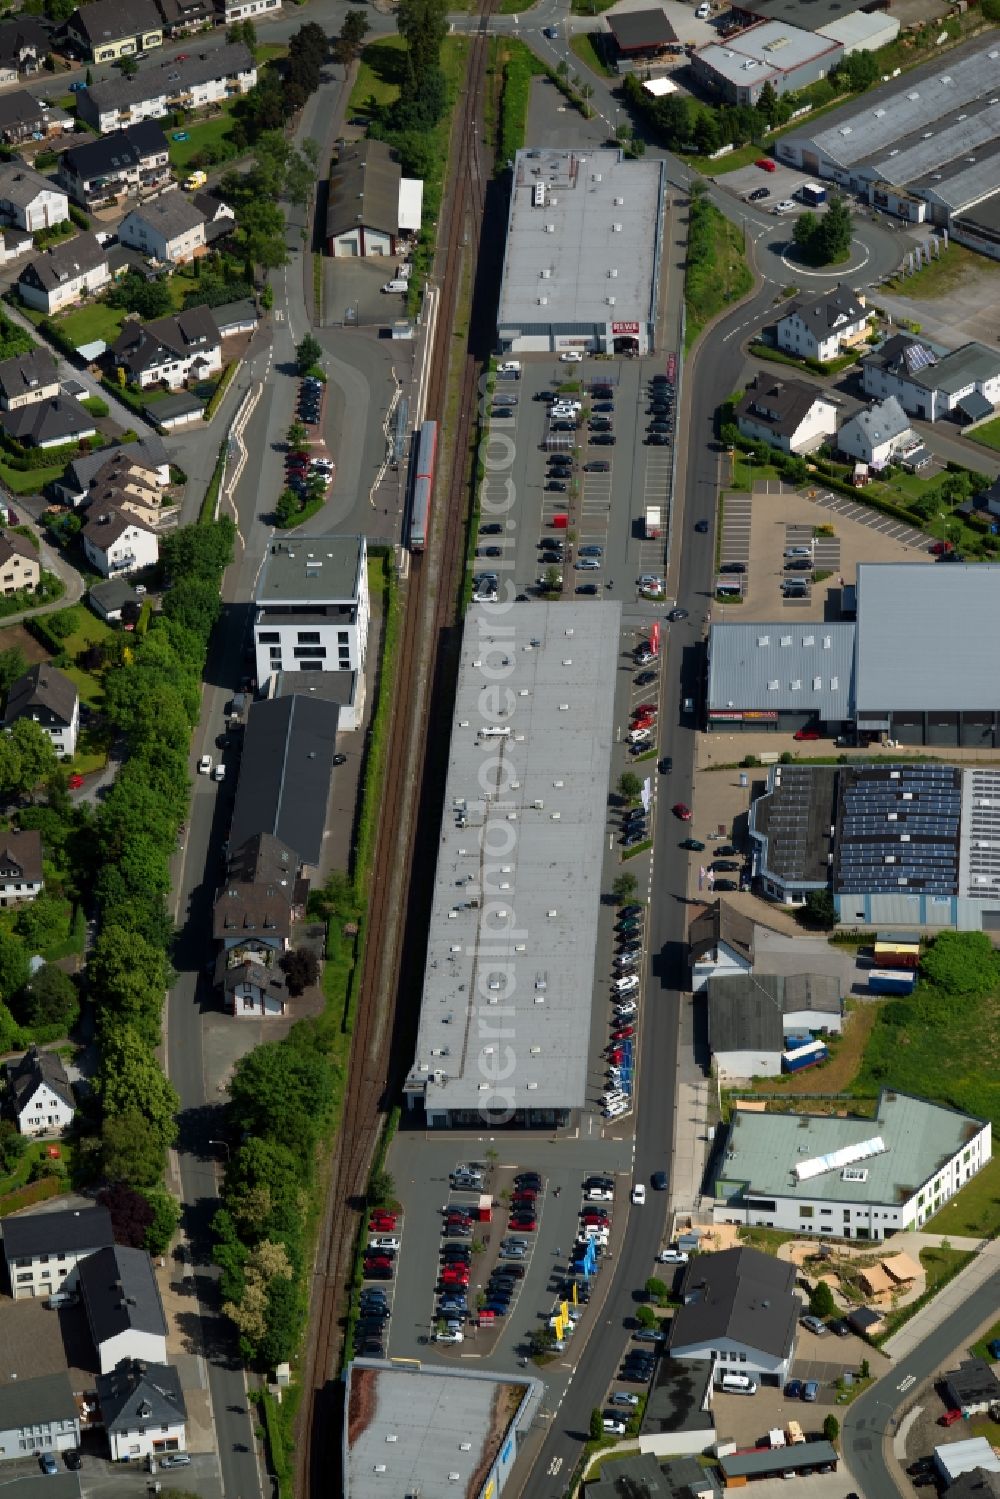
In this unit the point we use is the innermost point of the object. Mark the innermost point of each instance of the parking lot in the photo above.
(781, 185)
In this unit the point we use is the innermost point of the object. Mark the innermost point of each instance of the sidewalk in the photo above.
(975, 1275)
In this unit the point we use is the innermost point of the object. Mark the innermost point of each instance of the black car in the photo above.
(603, 439)
(660, 408)
(633, 839)
(659, 425)
(701, 525)
(724, 866)
(666, 765)
(733, 567)
(603, 392)
(556, 484)
(492, 551)
(529, 1179)
(73, 1460)
(564, 426)
(588, 590)
(726, 885)
(504, 411)
(798, 565)
(376, 1272)
(372, 1349)
(632, 909)
(657, 440)
(634, 814)
(600, 424)
(645, 678)
(545, 395)
(597, 466)
(758, 195)
(922, 1465)
(659, 1180)
(492, 528)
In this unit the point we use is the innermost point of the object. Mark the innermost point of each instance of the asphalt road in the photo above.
(874, 1415)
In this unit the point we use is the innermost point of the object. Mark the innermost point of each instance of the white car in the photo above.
(449, 1337)
(639, 1195)
(704, 11)
(614, 1110)
(219, 773)
(785, 206)
(672, 1257)
(628, 1007)
(614, 1426)
(600, 1194)
(205, 765)
(571, 356)
(627, 984)
(384, 1241)
(593, 1234)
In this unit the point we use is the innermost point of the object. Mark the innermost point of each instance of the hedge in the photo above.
(225, 381)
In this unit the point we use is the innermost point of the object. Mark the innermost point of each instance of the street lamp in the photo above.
(226, 1147)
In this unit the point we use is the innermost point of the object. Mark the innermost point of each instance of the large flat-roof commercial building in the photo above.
(581, 267)
(504, 1031)
(915, 845)
(923, 146)
(431, 1431)
(775, 52)
(918, 666)
(849, 1178)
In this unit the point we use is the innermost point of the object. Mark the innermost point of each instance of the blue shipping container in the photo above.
(891, 980)
(804, 1056)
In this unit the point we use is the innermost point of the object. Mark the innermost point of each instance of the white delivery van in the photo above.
(396, 284)
(738, 1384)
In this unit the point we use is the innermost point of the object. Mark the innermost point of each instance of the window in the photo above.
(313, 652)
(308, 637)
(268, 637)
(805, 1212)
(343, 637)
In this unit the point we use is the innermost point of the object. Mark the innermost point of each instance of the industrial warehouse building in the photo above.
(582, 262)
(924, 147)
(849, 1178)
(904, 845)
(774, 52)
(917, 667)
(504, 1030)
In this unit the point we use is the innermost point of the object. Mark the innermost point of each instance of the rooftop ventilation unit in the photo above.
(836, 1159)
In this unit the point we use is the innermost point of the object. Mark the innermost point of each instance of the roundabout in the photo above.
(835, 271)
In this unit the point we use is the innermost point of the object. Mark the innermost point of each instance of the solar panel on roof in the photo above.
(918, 357)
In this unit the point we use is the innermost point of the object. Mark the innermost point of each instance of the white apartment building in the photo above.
(43, 1250)
(312, 606)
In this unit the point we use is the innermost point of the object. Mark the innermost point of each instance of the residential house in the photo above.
(220, 220)
(251, 989)
(49, 424)
(43, 1099)
(181, 17)
(20, 568)
(972, 1388)
(825, 326)
(880, 434)
(132, 496)
(23, 118)
(228, 11)
(115, 542)
(170, 228)
(890, 1172)
(169, 350)
(789, 414)
(142, 1409)
(14, 243)
(975, 1483)
(931, 382)
(254, 908)
(196, 82)
(740, 1312)
(116, 602)
(720, 943)
(28, 378)
(124, 1311)
(28, 200)
(20, 866)
(132, 160)
(48, 697)
(105, 30)
(372, 207)
(65, 274)
(43, 1249)
(24, 46)
(146, 457)
(38, 1414)
(750, 1015)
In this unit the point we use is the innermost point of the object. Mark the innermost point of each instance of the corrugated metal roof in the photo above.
(807, 668)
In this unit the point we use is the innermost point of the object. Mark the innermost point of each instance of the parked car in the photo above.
(814, 1324)
(695, 845)
(672, 1257)
(766, 164)
(810, 1390)
(793, 1389)
(807, 734)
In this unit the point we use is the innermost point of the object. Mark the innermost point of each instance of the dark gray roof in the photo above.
(18, 109)
(26, 1402)
(678, 1397)
(112, 594)
(811, 15)
(11, 545)
(120, 1293)
(978, 1483)
(89, 467)
(286, 774)
(364, 189)
(171, 214)
(56, 419)
(169, 78)
(69, 1229)
(644, 1477)
(137, 1395)
(105, 523)
(898, 825)
(21, 36)
(21, 856)
(746, 1011)
(105, 21)
(64, 262)
(142, 346)
(830, 310)
(118, 152)
(181, 403)
(20, 184)
(42, 686)
(234, 314)
(26, 372)
(738, 1294)
(792, 823)
(721, 922)
(34, 1068)
(863, 1319)
(975, 407)
(761, 1461)
(778, 404)
(972, 1383)
(633, 29)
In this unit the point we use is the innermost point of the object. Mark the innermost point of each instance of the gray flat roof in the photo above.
(799, 667)
(557, 664)
(762, 1151)
(812, 14)
(311, 570)
(765, 1460)
(928, 99)
(775, 46)
(927, 637)
(49, 1397)
(583, 259)
(428, 1430)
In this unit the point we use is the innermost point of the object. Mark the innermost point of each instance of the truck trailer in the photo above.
(891, 980)
(652, 522)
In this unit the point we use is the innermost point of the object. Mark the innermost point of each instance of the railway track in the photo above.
(428, 612)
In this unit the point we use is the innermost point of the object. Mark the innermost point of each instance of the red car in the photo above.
(681, 811)
(379, 1218)
(614, 1055)
(765, 163)
(523, 1221)
(455, 1275)
(379, 1265)
(625, 1032)
(939, 548)
(75, 781)
(949, 1418)
(646, 708)
(804, 734)
(643, 723)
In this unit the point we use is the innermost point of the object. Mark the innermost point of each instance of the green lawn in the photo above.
(585, 48)
(975, 1210)
(204, 133)
(87, 630)
(590, 7)
(36, 1151)
(29, 480)
(86, 324)
(380, 73)
(717, 271)
(268, 51)
(953, 266)
(988, 435)
(745, 472)
(982, 1348)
